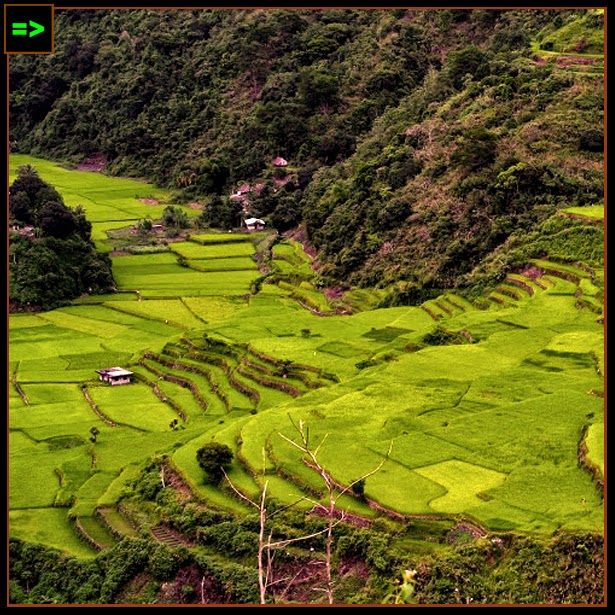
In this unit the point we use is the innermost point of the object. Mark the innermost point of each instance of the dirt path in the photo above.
(19, 389)
(95, 408)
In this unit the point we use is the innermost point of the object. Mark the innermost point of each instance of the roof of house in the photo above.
(250, 221)
(279, 162)
(114, 372)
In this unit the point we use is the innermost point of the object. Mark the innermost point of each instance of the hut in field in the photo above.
(115, 375)
(254, 224)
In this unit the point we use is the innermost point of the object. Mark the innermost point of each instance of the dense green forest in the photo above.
(418, 142)
(52, 258)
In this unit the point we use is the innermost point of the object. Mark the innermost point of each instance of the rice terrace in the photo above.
(488, 431)
(307, 307)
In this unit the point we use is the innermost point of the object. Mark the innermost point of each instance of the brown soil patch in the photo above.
(149, 201)
(571, 61)
(299, 581)
(95, 163)
(355, 567)
(333, 293)
(356, 520)
(181, 488)
(192, 586)
(16, 307)
(197, 206)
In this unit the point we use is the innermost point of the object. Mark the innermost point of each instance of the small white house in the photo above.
(254, 224)
(115, 375)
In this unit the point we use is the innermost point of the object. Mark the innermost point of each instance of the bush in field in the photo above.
(476, 148)
(441, 337)
(213, 457)
(164, 562)
(174, 217)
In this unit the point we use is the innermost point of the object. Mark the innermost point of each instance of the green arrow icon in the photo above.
(37, 28)
(20, 29)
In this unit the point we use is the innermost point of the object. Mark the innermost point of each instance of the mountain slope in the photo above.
(418, 141)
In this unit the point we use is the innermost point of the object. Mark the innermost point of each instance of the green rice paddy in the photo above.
(595, 212)
(488, 429)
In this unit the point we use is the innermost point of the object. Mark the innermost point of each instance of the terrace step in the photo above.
(560, 270)
(116, 522)
(95, 533)
(446, 308)
(529, 285)
(433, 309)
(269, 381)
(501, 299)
(562, 286)
(462, 305)
(163, 535)
(167, 373)
(510, 290)
(592, 304)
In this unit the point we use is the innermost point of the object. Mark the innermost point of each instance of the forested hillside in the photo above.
(418, 142)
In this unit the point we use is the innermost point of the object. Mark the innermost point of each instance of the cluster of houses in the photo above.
(243, 193)
(24, 231)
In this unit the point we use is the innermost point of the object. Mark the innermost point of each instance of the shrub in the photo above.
(441, 337)
(592, 140)
(213, 457)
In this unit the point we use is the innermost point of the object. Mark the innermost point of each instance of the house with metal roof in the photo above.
(115, 375)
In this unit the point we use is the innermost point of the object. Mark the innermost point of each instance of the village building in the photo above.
(115, 375)
(279, 162)
(241, 192)
(254, 224)
(26, 231)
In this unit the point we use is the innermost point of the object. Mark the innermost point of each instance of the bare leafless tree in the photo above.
(331, 488)
(265, 545)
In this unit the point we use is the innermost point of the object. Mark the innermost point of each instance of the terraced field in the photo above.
(488, 405)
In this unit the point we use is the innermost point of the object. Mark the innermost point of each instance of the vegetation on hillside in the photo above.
(214, 563)
(418, 141)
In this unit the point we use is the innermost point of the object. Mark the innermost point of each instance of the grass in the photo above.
(463, 482)
(226, 238)
(49, 526)
(134, 406)
(595, 445)
(488, 429)
(595, 212)
(237, 263)
(160, 275)
(170, 311)
(192, 250)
